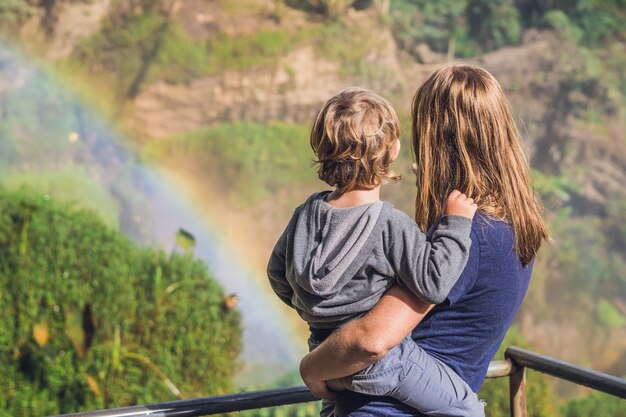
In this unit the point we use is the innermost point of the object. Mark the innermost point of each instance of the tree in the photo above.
(494, 23)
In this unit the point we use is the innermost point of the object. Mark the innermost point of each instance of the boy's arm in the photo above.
(276, 270)
(277, 265)
(430, 269)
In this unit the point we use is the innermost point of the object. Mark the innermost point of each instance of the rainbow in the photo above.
(72, 152)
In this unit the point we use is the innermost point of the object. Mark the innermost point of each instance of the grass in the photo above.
(259, 49)
(347, 44)
(251, 160)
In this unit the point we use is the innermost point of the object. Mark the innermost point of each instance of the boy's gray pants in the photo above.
(412, 376)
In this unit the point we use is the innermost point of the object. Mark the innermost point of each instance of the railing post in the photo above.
(517, 390)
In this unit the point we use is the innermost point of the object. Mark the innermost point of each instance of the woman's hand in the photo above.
(318, 388)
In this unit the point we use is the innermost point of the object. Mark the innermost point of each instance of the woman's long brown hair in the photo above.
(464, 138)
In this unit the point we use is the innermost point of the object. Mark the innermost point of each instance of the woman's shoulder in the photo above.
(495, 242)
(485, 226)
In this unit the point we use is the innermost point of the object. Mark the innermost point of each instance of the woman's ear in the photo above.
(396, 150)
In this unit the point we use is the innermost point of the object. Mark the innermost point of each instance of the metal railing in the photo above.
(514, 366)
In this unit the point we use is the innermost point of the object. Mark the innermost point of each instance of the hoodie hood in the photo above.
(331, 244)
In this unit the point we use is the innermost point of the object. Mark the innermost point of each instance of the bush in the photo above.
(594, 404)
(540, 393)
(93, 321)
(558, 21)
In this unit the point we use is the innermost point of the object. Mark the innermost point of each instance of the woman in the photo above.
(464, 138)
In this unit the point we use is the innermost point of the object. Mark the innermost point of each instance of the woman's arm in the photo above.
(361, 342)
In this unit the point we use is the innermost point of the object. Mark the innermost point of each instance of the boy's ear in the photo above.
(396, 150)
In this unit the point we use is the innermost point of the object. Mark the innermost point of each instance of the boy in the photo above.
(343, 249)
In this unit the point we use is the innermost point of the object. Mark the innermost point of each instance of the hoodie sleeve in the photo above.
(431, 268)
(277, 265)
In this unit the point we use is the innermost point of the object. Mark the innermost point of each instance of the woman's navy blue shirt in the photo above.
(466, 330)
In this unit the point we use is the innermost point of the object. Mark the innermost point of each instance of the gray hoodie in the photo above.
(333, 264)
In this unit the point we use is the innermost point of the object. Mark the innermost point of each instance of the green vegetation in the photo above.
(71, 186)
(594, 404)
(328, 8)
(438, 23)
(259, 49)
(251, 160)
(89, 318)
(585, 263)
(51, 251)
(138, 46)
(13, 12)
(347, 44)
(494, 24)
(608, 315)
(484, 25)
(134, 48)
(540, 394)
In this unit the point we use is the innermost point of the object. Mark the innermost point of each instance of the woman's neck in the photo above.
(353, 198)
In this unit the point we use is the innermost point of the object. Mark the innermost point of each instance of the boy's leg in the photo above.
(433, 388)
(328, 409)
(417, 379)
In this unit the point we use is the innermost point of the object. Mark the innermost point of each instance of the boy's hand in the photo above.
(458, 204)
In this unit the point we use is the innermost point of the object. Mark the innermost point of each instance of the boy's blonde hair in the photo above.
(464, 138)
(354, 138)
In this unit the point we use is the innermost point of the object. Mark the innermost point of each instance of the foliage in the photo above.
(142, 47)
(89, 318)
(583, 256)
(540, 394)
(561, 23)
(251, 160)
(461, 27)
(608, 315)
(261, 48)
(437, 23)
(597, 20)
(494, 23)
(139, 46)
(14, 12)
(328, 8)
(347, 44)
(484, 25)
(594, 404)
